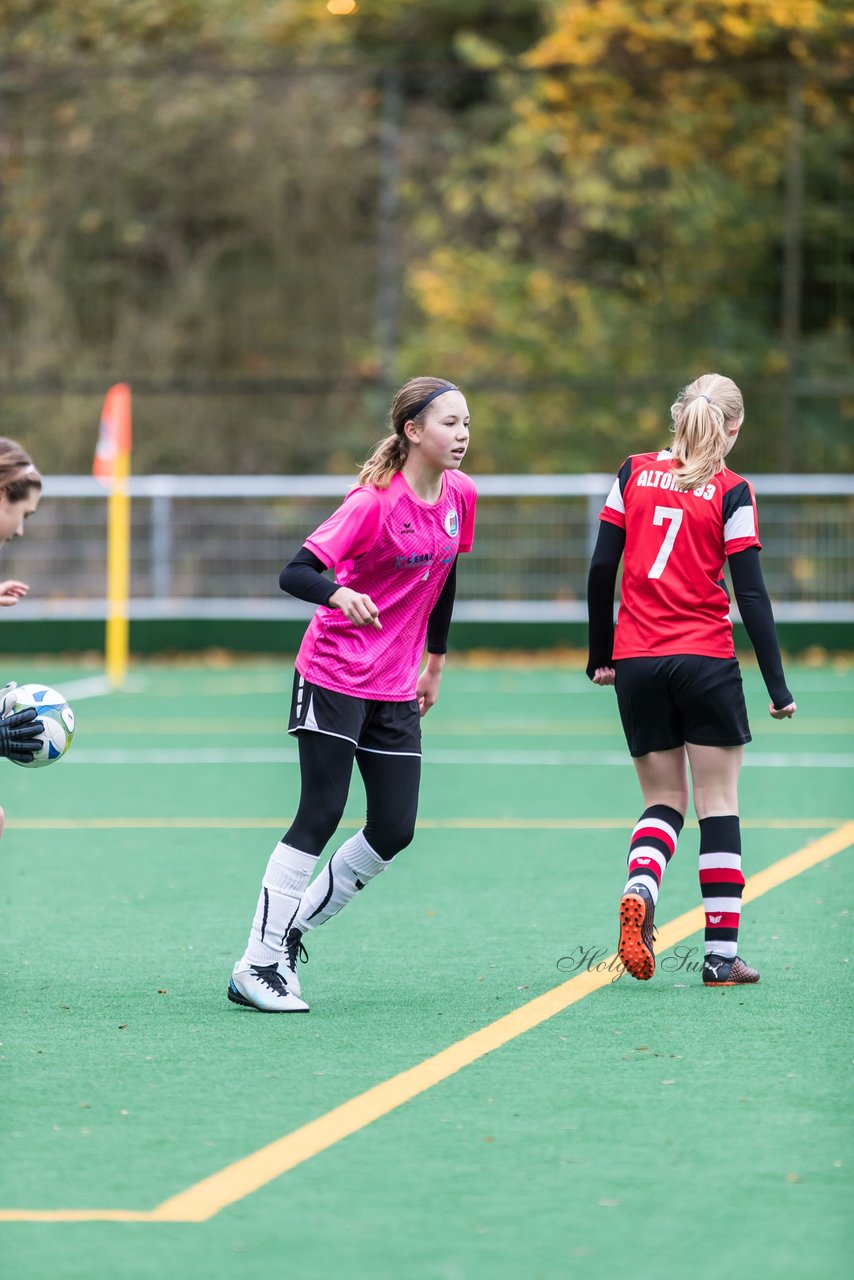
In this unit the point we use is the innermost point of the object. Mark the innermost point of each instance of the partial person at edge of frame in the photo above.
(357, 694)
(20, 491)
(674, 517)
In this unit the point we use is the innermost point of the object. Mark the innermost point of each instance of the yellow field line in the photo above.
(207, 1198)
(425, 824)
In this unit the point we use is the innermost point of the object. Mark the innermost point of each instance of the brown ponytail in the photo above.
(392, 451)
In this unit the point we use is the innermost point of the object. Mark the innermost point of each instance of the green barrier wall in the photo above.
(241, 636)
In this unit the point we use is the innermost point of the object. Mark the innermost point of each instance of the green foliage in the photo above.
(590, 210)
(627, 229)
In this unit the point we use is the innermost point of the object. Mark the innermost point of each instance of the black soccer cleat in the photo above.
(727, 971)
(636, 950)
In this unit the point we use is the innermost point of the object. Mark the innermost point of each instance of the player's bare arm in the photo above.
(427, 688)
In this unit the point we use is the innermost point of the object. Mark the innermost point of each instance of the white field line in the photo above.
(94, 687)
(508, 759)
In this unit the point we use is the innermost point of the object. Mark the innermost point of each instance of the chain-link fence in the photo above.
(213, 546)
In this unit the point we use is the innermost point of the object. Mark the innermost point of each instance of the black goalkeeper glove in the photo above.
(21, 735)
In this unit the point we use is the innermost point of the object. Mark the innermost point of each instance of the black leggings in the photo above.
(391, 787)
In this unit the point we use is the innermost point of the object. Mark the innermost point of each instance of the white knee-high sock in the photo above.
(349, 870)
(288, 872)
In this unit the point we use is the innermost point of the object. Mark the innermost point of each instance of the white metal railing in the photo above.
(212, 546)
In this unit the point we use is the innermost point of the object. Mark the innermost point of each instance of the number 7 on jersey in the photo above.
(674, 516)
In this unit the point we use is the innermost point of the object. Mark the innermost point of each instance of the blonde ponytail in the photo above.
(703, 416)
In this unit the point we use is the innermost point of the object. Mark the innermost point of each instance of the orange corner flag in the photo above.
(112, 453)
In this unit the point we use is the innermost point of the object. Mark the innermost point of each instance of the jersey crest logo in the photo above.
(452, 524)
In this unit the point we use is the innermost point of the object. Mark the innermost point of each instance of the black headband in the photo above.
(422, 404)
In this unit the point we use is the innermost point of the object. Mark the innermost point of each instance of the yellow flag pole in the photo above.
(112, 468)
(118, 572)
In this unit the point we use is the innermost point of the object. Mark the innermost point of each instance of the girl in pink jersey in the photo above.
(674, 517)
(392, 546)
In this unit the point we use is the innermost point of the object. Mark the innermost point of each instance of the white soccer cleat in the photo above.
(262, 987)
(294, 952)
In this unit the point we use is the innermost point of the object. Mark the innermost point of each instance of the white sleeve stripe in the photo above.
(615, 498)
(741, 524)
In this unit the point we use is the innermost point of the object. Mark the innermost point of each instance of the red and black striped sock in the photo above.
(653, 844)
(721, 882)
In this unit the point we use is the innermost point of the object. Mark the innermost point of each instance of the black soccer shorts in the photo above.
(384, 728)
(666, 702)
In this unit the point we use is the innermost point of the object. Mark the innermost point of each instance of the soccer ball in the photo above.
(56, 716)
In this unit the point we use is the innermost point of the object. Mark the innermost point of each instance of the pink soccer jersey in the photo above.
(398, 550)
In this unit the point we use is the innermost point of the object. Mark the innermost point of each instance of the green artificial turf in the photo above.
(659, 1126)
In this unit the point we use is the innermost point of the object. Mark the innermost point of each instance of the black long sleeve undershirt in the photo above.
(439, 622)
(303, 578)
(754, 606)
(601, 583)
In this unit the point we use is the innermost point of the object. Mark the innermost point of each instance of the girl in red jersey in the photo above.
(674, 517)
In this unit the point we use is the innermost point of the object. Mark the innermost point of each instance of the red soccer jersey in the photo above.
(673, 599)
